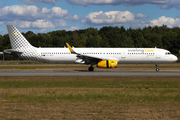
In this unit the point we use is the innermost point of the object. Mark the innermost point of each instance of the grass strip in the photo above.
(89, 98)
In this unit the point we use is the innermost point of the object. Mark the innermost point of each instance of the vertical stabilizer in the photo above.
(21, 46)
(16, 38)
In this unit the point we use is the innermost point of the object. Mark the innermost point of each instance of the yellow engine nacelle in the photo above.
(107, 64)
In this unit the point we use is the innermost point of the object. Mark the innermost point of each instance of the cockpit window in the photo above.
(167, 53)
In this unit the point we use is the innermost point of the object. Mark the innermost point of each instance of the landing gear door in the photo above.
(158, 54)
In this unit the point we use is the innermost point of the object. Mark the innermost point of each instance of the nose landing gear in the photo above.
(157, 69)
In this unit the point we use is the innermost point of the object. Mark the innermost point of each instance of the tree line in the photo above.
(149, 37)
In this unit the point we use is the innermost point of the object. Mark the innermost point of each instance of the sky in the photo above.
(42, 16)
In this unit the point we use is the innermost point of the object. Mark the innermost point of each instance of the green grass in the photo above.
(90, 89)
(89, 98)
(90, 82)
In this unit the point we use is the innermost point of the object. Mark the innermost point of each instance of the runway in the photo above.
(119, 73)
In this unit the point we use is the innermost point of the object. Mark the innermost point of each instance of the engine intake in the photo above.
(107, 64)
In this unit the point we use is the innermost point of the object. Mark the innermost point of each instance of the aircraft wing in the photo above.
(87, 59)
(12, 51)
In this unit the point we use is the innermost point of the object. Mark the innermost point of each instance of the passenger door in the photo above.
(158, 54)
(123, 54)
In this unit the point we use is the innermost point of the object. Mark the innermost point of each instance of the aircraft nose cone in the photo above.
(175, 58)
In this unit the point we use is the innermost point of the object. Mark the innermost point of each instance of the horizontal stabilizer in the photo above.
(10, 51)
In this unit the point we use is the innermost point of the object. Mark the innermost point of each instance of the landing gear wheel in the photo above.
(91, 68)
(157, 69)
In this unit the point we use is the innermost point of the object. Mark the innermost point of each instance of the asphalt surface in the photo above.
(120, 73)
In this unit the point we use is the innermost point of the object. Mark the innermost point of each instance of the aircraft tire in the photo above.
(91, 68)
(157, 69)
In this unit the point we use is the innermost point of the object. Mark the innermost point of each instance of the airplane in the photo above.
(101, 57)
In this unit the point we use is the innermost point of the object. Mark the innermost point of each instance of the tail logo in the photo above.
(19, 43)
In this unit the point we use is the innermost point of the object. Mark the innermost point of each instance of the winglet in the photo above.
(70, 48)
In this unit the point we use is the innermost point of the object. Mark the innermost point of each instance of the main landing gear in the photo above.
(157, 69)
(91, 68)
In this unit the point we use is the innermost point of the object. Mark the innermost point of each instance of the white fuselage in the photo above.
(122, 55)
(102, 57)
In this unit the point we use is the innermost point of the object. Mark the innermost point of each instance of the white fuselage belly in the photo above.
(122, 55)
